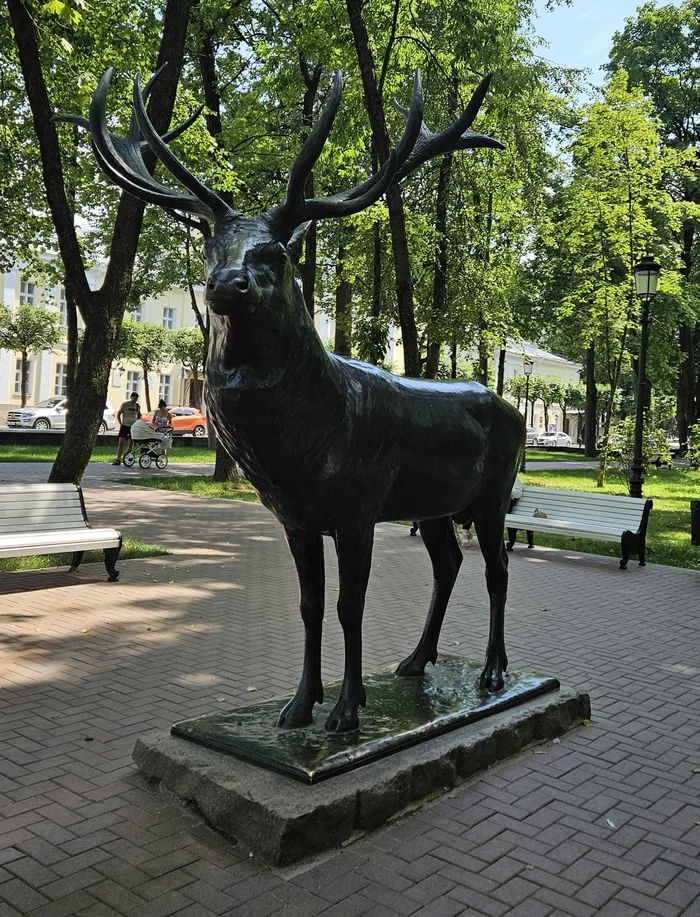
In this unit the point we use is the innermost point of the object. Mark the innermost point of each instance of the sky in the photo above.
(581, 35)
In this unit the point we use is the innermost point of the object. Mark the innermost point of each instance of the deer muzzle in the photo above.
(228, 288)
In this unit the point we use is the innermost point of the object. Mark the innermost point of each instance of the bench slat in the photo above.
(49, 519)
(584, 515)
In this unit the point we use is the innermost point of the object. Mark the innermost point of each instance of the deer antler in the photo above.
(296, 208)
(455, 137)
(121, 159)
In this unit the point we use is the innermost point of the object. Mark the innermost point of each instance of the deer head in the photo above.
(248, 258)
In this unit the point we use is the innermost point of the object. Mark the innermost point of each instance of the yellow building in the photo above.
(48, 370)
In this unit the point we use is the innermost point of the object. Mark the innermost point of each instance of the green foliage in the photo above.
(694, 446)
(149, 345)
(618, 451)
(30, 330)
(187, 348)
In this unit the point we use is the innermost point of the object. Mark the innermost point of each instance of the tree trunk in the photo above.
(92, 379)
(72, 355)
(196, 390)
(591, 415)
(307, 267)
(432, 362)
(24, 373)
(377, 337)
(103, 309)
(482, 367)
(146, 390)
(397, 219)
(343, 305)
(688, 375)
(501, 371)
(686, 412)
(225, 468)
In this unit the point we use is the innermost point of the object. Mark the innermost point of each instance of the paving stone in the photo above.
(79, 811)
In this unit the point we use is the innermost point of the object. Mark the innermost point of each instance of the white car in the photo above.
(554, 439)
(50, 414)
(531, 437)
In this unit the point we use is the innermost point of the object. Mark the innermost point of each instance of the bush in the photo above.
(619, 450)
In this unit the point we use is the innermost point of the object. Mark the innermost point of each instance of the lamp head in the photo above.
(646, 277)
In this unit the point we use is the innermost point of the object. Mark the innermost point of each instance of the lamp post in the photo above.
(646, 278)
(528, 366)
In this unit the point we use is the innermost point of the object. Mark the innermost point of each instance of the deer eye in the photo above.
(269, 253)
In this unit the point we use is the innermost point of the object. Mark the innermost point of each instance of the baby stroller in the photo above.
(149, 447)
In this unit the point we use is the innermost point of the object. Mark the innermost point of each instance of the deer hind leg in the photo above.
(489, 522)
(446, 557)
(354, 547)
(307, 551)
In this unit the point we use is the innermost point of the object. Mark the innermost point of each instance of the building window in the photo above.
(61, 382)
(169, 319)
(27, 293)
(133, 383)
(138, 313)
(166, 388)
(62, 308)
(18, 377)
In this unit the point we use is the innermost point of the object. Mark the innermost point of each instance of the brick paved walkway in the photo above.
(606, 821)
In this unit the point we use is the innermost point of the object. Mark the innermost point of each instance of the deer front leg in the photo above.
(307, 551)
(441, 542)
(354, 546)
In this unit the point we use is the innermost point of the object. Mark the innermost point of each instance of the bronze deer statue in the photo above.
(333, 445)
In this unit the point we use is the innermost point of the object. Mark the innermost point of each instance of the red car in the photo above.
(185, 420)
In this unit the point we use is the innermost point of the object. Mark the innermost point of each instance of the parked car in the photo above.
(531, 437)
(554, 439)
(185, 420)
(50, 414)
(674, 446)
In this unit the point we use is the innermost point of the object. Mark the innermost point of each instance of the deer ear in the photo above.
(296, 243)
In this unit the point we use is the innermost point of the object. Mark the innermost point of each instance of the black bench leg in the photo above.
(512, 535)
(111, 555)
(627, 546)
(76, 561)
(530, 539)
(414, 529)
(642, 552)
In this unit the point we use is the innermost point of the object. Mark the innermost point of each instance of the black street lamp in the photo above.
(528, 366)
(646, 278)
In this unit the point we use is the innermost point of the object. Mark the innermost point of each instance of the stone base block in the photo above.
(285, 821)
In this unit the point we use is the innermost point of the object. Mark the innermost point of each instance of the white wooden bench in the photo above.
(51, 519)
(585, 515)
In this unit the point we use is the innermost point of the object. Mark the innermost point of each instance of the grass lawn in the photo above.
(197, 484)
(130, 549)
(668, 533)
(103, 454)
(555, 455)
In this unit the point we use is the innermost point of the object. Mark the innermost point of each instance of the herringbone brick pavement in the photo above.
(605, 821)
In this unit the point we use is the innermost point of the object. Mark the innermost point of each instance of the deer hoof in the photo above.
(414, 665)
(296, 714)
(491, 679)
(339, 722)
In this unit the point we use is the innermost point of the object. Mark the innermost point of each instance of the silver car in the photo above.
(50, 414)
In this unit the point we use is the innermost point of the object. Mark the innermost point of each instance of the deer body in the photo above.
(324, 439)
(333, 445)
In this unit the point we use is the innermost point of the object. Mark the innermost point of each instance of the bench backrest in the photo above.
(40, 508)
(574, 505)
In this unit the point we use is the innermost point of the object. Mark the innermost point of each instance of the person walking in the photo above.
(129, 412)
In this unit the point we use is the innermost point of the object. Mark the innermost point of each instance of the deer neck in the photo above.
(265, 348)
